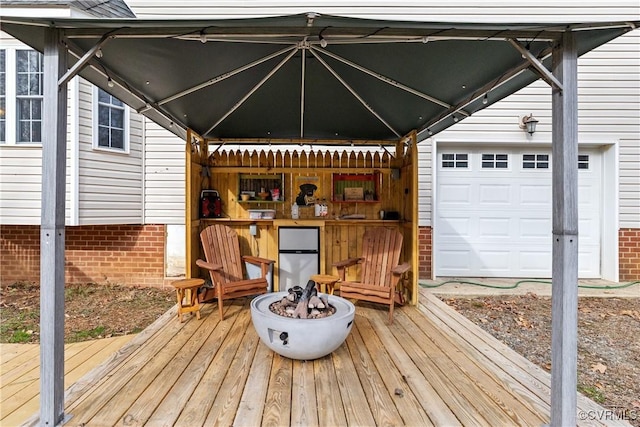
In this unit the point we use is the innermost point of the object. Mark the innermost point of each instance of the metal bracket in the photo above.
(542, 71)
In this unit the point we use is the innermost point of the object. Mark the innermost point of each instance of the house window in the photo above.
(495, 161)
(455, 160)
(583, 161)
(535, 161)
(110, 119)
(29, 96)
(3, 96)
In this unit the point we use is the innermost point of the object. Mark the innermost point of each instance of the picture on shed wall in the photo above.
(308, 188)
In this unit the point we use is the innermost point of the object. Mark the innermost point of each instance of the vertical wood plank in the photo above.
(52, 232)
(564, 292)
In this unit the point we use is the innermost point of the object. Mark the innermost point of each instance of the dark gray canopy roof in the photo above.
(310, 76)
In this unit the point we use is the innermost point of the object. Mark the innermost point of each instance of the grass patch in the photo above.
(592, 393)
(21, 327)
(87, 334)
(20, 336)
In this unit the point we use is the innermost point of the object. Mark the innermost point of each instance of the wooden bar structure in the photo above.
(382, 176)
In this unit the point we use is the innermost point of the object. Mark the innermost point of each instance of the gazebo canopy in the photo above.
(309, 76)
(316, 78)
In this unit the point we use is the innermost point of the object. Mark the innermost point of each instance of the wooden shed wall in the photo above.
(392, 171)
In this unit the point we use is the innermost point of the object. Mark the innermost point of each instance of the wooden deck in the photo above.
(431, 367)
(20, 373)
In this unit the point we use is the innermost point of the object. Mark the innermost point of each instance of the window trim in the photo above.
(494, 161)
(29, 97)
(456, 161)
(536, 162)
(11, 114)
(95, 127)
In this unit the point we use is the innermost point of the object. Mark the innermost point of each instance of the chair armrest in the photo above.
(347, 262)
(400, 269)
(207, 265)
(257, 260)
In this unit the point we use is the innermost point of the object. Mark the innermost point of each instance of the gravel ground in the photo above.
(608, 343)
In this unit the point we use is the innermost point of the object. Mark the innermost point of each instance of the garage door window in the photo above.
(535, 161)
(495, 161)
(583, 161)
(455, 160)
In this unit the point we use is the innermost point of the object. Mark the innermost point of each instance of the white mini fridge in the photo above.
(298, 255)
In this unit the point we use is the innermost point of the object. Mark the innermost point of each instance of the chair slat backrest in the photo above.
(221, 246)
(380, 252)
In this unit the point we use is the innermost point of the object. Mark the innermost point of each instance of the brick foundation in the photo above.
(629, 241)
(121, 254)
(425, 247)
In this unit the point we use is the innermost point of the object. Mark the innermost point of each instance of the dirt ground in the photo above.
(608, 343)
(91, 311)
(608, 330)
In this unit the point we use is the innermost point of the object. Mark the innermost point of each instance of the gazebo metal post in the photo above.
(52, 233)
(564, 296)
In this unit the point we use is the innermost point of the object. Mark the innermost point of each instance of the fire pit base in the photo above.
(302, 339)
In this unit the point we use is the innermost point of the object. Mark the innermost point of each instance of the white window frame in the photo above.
(536, 162)
(492, 164)
(456, 163)
(96, 133)
(39, 97)
(11, 99)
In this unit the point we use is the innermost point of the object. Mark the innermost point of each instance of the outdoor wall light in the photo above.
(528, 124)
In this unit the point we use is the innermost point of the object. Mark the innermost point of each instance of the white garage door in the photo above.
(493, 213)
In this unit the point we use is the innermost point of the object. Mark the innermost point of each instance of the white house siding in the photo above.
(101, 187)
(164, 176)
(21, 167)
(453, 10)
(109, 182)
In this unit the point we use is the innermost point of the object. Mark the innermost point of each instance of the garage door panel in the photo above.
(494, 195)
(497, 223)
(535, 263)
(535, 228)
(535, 196)
(455, 195)
(587, 197)
(587, 231)
(587, 257)
(455, 228)
(456, 260)
(494, 260)
(494, 228)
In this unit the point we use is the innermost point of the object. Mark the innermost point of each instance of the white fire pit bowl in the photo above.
(301, 339)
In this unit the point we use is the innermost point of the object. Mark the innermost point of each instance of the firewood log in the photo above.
(309, 291)
(315, 302)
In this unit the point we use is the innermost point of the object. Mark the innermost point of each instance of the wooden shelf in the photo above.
(258, 183)
(355, 188)
(356, 201)
(259, 201)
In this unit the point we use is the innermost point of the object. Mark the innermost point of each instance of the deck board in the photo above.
(20, 397)
(430, 367)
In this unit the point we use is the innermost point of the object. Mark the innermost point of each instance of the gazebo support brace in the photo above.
(564, 296)
(52, 233)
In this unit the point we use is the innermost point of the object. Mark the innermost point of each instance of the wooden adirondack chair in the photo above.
(380, 272)
(225, 266)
